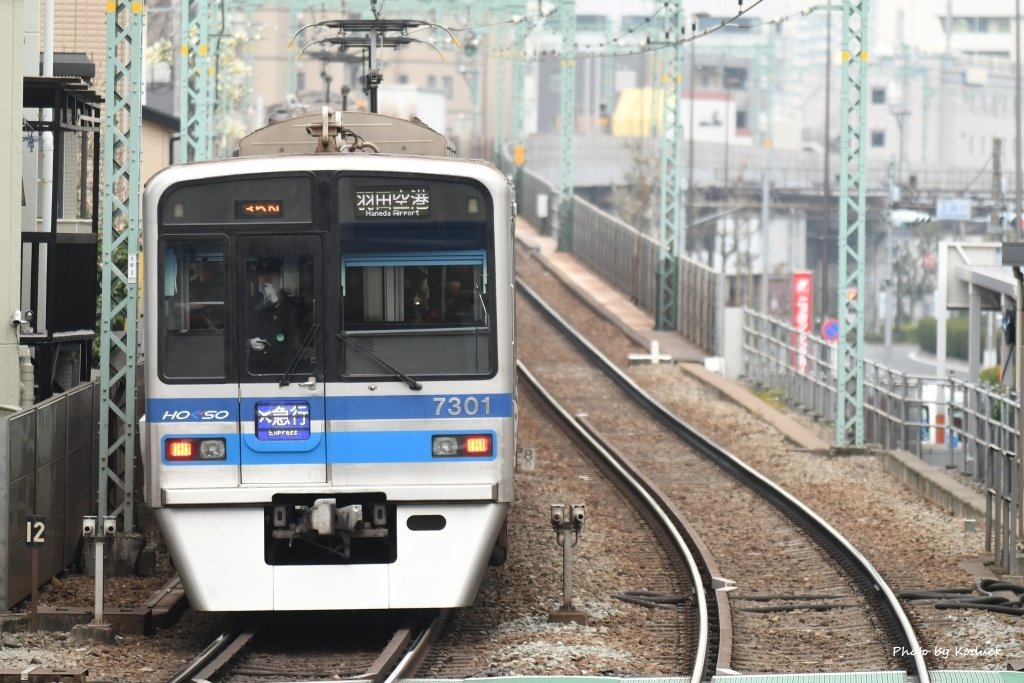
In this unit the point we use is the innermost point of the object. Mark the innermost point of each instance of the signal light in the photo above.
(179, 450)
(454, 445)
(478, 445)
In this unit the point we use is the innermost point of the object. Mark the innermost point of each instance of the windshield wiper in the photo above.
(294, 365)
(483, 307)
(413, 384)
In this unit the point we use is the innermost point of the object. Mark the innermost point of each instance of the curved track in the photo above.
(711, 638)
(886, 614)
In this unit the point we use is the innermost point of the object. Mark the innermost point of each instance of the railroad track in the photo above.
(708, 636)
(371, 648)
(802, 589)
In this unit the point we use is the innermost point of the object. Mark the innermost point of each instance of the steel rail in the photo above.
(217, 654)
(703, 655)
(415, 653)
(873, 586)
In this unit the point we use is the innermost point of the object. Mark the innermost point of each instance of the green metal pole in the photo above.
(196, 75)
(852, 228)
(120, 290)
(669, 196)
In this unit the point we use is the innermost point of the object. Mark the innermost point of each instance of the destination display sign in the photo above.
(282, 420)
(264, 208)
(392, 202)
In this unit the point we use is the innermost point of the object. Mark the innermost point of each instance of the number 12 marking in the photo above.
(35, 531)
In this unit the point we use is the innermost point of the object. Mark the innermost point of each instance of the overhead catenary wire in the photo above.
(584, 51)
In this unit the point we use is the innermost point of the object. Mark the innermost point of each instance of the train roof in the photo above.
(388, 134)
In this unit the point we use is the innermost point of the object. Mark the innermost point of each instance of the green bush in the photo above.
(956, 336)
(906, 332)
(990, 375)
(926, 334)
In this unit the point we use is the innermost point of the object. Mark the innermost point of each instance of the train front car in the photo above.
(330, 379)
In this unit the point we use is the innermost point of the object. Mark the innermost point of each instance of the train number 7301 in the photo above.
(458, 406)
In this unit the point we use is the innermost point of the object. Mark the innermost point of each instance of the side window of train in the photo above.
(193, 293)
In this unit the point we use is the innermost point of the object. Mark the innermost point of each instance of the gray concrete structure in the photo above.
(12, 39)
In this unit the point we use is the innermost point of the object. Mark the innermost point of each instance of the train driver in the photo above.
(271, 320)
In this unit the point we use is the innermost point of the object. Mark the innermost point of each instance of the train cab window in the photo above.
(193, 296)
(278, 319)
(416, 256)
(425, 314)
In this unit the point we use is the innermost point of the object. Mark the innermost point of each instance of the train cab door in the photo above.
(280, 359)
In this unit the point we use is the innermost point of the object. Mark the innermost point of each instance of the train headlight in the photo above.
(212, 449)
(455, 445)
(179, 450)
(445, 445)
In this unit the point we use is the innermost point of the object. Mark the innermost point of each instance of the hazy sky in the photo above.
(922, 21)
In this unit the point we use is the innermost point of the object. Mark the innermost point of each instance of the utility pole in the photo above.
(691, 214)
(196, 82)
(120, 286)
(1019, 190)
(827, 227)
(671, 149)
(766, 58)
(852, 230)
(998, 206)
(904, 105)
(566, 184)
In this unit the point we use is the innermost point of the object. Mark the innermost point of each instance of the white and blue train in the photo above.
(330, 368)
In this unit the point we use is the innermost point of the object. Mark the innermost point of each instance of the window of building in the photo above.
(993, 25)
(878, 138)
(591, 22)
(734, 78)
(403, 78)
(962, 25)
(446, 85)
(878, 96)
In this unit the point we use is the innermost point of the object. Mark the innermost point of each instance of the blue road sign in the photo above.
(830, 329)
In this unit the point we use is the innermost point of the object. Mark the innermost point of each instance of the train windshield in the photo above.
(415, 283)
(424, 314)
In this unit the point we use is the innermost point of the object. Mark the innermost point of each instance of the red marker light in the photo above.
(180, 449)
(449, 445)
(478, 445)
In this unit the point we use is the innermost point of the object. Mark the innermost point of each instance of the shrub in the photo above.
(957, 335)
(990, 375)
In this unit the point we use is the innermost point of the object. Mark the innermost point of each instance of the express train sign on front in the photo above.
(282, 420)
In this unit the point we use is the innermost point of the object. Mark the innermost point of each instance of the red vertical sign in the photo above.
(803, 291)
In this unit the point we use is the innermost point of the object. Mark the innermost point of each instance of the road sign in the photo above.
(830, 329)
(953, 209)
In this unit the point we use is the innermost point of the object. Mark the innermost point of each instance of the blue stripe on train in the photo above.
(343, 448)
(441, 406)
(393, 447)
